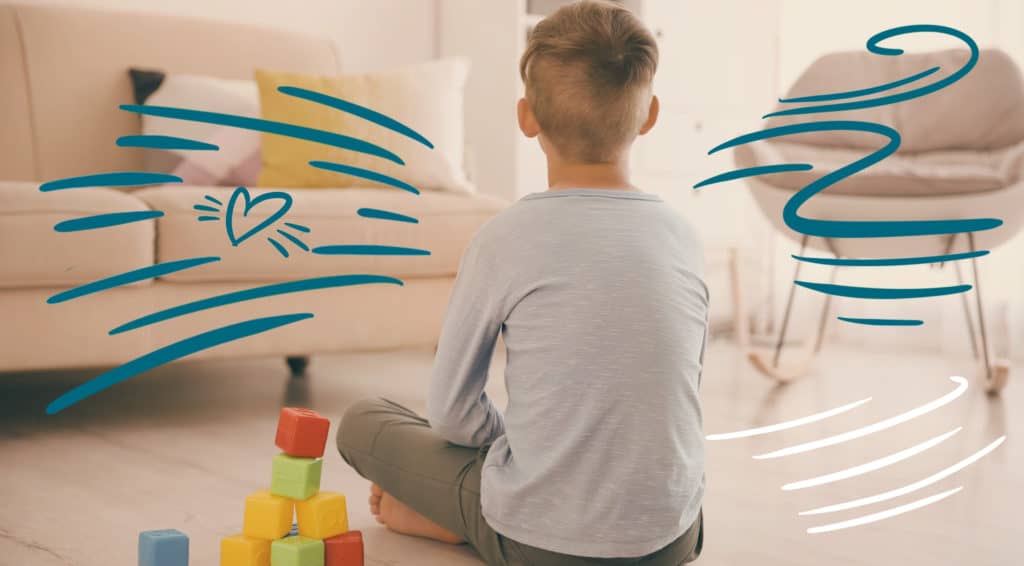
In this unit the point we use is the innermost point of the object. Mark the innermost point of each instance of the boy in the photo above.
(596, 288)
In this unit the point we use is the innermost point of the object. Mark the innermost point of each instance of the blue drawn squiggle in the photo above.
(291, 238)
(172, 352)
(860, 92)
(386, 215)
(882, 321)
(153, 141)
(754, 172)
(873, 47)
(881, 293)
(251, 293)
(364, 174)
(890, 261)
(239, 205)
(367, 249)
(277, 246)
(840, 101)
(115, 179)
(266, 126)
(128, 277)
(854, 228)
(356, 110)
(106, 220)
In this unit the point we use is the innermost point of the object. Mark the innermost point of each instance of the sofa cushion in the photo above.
(446, 223)
(924, 174)
(33, 254)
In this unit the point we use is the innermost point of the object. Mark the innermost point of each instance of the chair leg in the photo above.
(789, 305)
(826, 309)
(794, 368)
(968, 317)
(297, 365)
(996, 374)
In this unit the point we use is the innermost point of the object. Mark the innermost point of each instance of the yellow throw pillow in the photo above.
(426, 98)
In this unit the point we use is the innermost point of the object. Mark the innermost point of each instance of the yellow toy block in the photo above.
(322, 516)
(241, 550)
(267, 516)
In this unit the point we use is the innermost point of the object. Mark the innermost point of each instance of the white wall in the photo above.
(372, 34)
(810, 28)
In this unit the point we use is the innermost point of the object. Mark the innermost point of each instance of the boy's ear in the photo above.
(652, 115)
(527, 121)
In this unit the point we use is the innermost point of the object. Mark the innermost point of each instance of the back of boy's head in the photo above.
(588, 69)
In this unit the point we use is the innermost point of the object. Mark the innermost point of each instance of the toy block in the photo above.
(344, 550)
(241, 550)
(302, 432)
(322, 516)
(297, 551)
(267, 516)
(295, 478)
(167, 547)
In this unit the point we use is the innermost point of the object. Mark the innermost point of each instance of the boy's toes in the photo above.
(376, 490)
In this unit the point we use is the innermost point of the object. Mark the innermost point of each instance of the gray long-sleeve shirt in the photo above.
(600, 300)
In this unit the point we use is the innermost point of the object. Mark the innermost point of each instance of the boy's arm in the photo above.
(457, 406)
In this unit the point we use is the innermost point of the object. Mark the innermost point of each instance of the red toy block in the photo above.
(302, 432)
(345, 549)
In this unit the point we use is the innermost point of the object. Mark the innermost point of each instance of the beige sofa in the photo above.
(63, 73)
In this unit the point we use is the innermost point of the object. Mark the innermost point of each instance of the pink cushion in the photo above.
(236, 163)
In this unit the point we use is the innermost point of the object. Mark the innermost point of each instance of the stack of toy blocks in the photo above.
(322, 537)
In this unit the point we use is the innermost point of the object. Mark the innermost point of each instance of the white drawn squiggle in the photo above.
(788, 424)
(911, 487)
(873, 465)
(871, 429)
(881, 515)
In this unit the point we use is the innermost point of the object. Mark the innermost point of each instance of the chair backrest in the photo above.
(64, 71)
(982, 111)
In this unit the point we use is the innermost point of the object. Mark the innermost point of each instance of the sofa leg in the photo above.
(297, 365)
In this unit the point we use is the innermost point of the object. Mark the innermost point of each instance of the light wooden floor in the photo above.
(182, 446)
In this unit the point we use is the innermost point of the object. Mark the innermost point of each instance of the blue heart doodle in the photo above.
(250, 203)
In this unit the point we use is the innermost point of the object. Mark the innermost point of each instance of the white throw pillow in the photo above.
(228, 165)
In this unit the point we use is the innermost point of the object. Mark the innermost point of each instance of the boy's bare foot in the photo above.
(400, 518)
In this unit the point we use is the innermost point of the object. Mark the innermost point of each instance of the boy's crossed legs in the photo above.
(405, 520)
(419, 471)
(426, 486)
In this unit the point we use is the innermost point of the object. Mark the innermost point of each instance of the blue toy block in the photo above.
(167, 547)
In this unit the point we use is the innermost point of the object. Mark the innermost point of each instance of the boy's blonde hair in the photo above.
(588, 69)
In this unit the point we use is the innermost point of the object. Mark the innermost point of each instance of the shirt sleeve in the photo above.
(457, 405)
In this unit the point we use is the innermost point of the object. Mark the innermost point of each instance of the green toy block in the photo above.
(295, 478)
(297, 551)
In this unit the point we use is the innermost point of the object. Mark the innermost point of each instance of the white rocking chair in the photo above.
(961, 156)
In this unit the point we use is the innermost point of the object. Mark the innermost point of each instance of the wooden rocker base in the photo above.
(994, 372)
(996, 377)
(786, 371)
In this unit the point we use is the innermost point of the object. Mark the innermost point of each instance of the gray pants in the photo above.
(395, 448)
